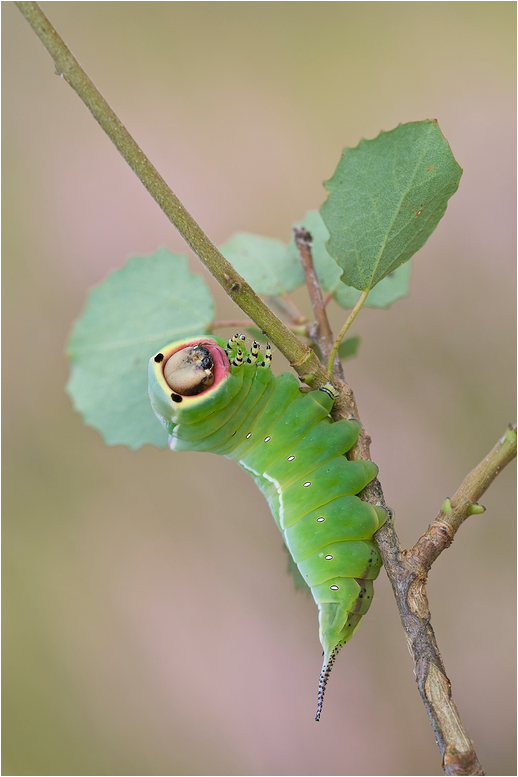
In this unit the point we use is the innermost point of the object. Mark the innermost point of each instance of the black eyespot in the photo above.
(176, 397)
(159, 357)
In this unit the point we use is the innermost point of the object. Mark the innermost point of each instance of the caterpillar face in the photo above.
(180, 376)
(190, 371)
(221, 398)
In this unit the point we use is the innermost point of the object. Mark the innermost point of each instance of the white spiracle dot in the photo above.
(248, 435)
(328, 558)
(290, 458)
(334, 588)
(306, 484)
(267, 439)
(319, 520)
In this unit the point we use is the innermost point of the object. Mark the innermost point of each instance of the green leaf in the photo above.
(150, 302)
(264, 263)
(393, 287)
(385, 199)
(348, 348)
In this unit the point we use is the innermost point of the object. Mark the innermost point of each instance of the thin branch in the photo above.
(408, 574)
(441, 532)
(345, 406)
(322, 334)
(300, 356)
(434, 687)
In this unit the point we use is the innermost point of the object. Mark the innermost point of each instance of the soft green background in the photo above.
(149, 624)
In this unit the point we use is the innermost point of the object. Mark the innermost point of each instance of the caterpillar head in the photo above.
(183, 373)
(190, 371)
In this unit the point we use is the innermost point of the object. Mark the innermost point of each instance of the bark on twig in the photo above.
(408, 573)
(464, 503)
(408, 570)
(320, 330)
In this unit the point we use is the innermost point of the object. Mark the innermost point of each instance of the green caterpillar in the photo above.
(216, 396)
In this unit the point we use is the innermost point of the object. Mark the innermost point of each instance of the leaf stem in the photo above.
(354, 312)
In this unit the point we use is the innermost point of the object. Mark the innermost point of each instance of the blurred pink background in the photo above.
(149, 623)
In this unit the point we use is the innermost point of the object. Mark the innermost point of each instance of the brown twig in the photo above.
(321, 331)
(464, 503)
(408, 574)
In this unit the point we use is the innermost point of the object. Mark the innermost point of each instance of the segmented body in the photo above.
(296, 455)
